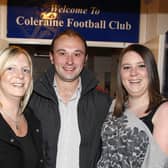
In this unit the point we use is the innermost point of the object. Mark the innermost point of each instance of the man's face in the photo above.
(68, 57)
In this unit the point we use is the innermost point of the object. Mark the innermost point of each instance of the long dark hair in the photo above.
(154, 84)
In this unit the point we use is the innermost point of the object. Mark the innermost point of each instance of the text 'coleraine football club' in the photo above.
(70, 22)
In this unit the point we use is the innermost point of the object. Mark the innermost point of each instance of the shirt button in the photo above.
(12, 140)
(37, 130)
(41, 160)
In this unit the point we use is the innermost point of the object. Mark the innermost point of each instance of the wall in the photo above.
(3, 44)
(3, 17)
(154, 19)
(154, 25)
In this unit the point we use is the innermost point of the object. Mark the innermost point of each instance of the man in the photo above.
(69, 107)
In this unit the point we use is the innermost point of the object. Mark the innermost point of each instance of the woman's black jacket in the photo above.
(11, 155)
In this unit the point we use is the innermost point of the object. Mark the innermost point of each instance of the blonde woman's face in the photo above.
(16, 77)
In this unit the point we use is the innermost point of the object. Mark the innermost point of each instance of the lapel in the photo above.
(34, 128)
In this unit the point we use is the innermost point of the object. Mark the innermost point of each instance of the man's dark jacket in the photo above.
(92, 109)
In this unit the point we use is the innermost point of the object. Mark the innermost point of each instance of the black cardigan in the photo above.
(10, 149)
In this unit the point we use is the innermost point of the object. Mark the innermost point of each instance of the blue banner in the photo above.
(96, 20)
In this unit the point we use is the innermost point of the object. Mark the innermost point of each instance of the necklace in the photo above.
(16, 122)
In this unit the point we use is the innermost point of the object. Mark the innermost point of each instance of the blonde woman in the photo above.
(20, 133)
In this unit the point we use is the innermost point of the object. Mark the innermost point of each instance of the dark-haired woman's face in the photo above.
(134, 75)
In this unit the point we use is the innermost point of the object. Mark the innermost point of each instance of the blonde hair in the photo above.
(5, 56)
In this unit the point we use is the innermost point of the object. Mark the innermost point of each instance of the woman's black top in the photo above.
(21, 152)
(148, 119)
(29, 152)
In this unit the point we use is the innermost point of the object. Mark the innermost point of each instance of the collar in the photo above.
(76, 93)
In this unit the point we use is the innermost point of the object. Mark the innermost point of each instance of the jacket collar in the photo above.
(44, 85)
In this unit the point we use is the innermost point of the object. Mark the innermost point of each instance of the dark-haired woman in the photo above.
(135, 132)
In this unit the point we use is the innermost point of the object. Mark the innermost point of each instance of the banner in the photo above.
(108, 21)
